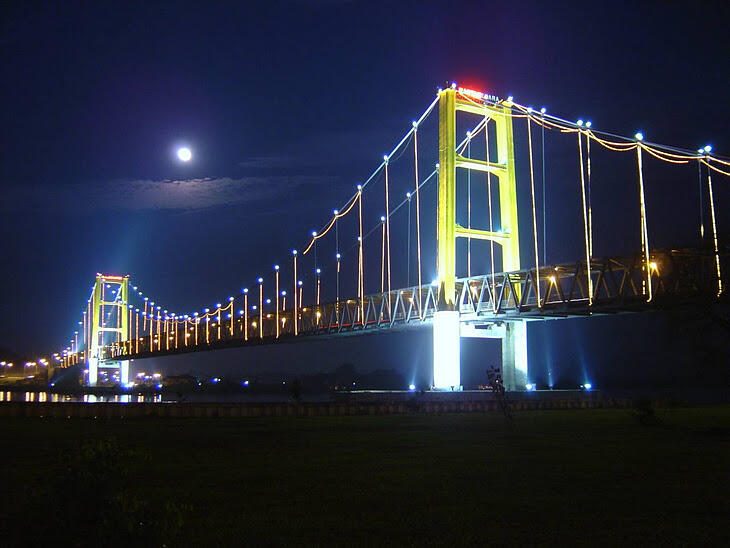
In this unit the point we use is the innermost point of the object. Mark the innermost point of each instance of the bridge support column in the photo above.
(124, 372)
(93, 366)
(446, 350)
(514, 356)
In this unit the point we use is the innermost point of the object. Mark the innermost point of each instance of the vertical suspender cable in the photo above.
(585, 218)
(468, 208)
(544, 196)
(387, 229)
(702, 203)
(408, 245)
(590, 207)
(418, 219)
(491, 224)
(295, 318)
(361, 272)
(382, 257)
(245, 318)
(714, 232)
(534, 214)
(644, 230)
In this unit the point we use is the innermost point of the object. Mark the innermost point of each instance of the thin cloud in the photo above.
(184, 194)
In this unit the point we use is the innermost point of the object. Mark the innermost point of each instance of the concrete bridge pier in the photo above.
(514, 356)
(447, 334)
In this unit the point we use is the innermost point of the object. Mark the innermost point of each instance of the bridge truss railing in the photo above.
(618, 284)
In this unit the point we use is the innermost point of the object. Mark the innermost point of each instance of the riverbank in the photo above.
(591, 476)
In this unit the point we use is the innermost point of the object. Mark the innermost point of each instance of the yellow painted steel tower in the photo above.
(446, 374)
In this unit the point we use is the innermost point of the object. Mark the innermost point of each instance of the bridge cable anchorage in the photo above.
(714, 233)
(418, 220)
(534, 214)
(644, 230)
(585, 219)
(491, 224)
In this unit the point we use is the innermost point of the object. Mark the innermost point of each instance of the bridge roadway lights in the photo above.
(446, 351)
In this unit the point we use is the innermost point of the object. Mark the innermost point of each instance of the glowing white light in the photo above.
(411, 387)
(639, 136)
(314, 233)
(510, 98)
(446, 356)
(338, 256)
(276, 267)
(335, 212)
(385, 157)
(530, 387)
(382, 218)
(184, 154)
(543, 110)
(414, 123)
(587, 386)
(260, 280)
(588, 123)
(318, 270)
(708, 148)
(579, 122)
(408, 195)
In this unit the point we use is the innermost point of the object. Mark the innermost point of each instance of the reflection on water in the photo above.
(86, 398)
(37, 397)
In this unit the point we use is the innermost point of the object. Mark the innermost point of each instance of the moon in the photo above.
(184, 154)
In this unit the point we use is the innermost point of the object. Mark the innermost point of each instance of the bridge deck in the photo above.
(611, 285)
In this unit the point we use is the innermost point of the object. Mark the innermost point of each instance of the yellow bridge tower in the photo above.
(446, 324)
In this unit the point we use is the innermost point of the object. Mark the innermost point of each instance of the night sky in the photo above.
(287, 106)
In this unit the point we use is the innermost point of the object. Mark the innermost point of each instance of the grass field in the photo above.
(555, 477)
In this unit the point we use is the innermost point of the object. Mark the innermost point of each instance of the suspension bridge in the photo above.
(481, 288)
